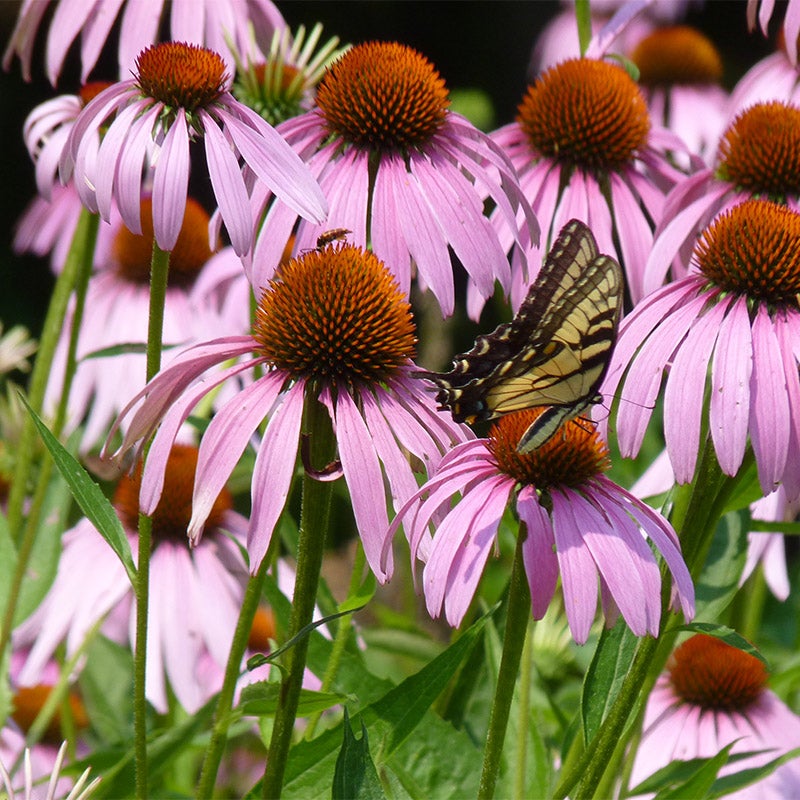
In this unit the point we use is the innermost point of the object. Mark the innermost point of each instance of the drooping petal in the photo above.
(272, 473)
(171, 183)
(731, 370)
(541, 563)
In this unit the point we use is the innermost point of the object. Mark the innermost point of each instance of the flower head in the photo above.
(333, 326)
(584, 147)
(209, 23)
(578, 523)
(195, 595)
(757, 156)
(402, 172)
(733, 322)
(713, 695)
(180, 93)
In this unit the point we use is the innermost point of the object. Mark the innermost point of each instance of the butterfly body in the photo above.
(553, 353)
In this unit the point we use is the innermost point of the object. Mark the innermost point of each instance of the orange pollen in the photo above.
(383, 96)
(174, 510)
(262, 630)
(573, 455)
(133, 252)
(760, 152)
(679, 54)
(335, 315)
(181, 75)
(28, 702)
(708, 673)
(754, 250)
(586, 113)
(90, 90)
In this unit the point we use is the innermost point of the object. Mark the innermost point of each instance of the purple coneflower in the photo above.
(401, 172)
(180, 93)
(334, 326)
(762, 10)
(680, 72)
(757, 157)
(583, 139)
(116, 314)
(195, 594)
(711, 696)
(733, 323)
(211, 23)
(580, 525)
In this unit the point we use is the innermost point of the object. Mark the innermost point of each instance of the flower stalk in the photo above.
(517, 616)
(314, 519)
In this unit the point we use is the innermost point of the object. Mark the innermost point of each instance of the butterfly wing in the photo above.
(555, 350)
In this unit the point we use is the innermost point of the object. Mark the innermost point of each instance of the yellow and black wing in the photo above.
(553, 353)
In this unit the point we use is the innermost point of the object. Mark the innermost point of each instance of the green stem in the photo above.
(79, 267)
(159, 272)
(517, 616)
(78, 260)
(222, 715)
(343, 631)
(524, 721)
(314, 520)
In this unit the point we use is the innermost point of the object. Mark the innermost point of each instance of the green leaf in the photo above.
(677, 776)
(727, 635)
(701, 781)
(719, 581)
(746, 777)
(355, 777)
(608, 669)
(261, 699)
(94, 504)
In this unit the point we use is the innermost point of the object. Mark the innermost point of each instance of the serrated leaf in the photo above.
(355, 777)
(608, 669)
(88, 495)
(727, 635)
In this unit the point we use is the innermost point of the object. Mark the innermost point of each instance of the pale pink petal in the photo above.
(364, 477)
(69, 18)
(685, 392)
(577, 567)
(635, 236)
(787, 328)
(769, 407)
(139, 29)
(731, 370)
(272, 473)
(108, 155)
(224, 442)
(228, 184)
(387, 240)
(171, 183)
(541, 563)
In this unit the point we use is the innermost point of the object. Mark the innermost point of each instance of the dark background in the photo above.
(483, 45)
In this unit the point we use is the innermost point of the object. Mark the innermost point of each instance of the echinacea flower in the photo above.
(680, 72)
(713, 695)
(579, 525)
(116, 313)
(333, 326)
(584, 147)
(401, 172)
(179, 94)
(728, 334)
(757, 156)
(282, 83)
(195, 594)
(210, 23)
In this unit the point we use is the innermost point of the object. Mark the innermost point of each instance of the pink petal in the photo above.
(731, 371)
(128, 189)
(139, 29)
(685, 391)
(541, 563)
(769, 408)
(387, 240)
(171, 183)
(635, 236)
(272, 474)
